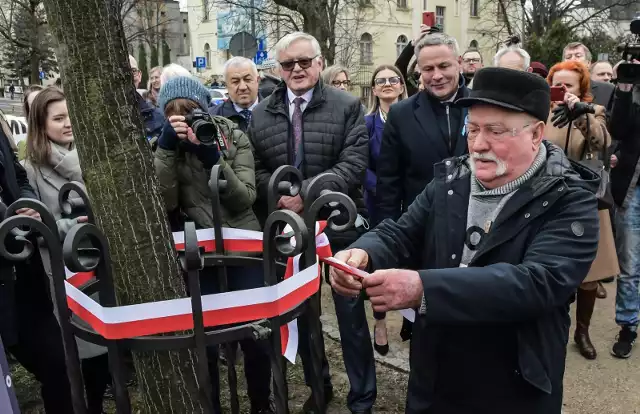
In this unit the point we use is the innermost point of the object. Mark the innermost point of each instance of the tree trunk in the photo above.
(118, 170)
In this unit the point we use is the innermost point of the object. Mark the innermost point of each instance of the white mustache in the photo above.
(488, 156)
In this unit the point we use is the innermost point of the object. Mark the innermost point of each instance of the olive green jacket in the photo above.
(184, 182)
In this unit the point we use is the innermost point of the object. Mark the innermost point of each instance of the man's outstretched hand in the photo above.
(394, 289)
(344, 283)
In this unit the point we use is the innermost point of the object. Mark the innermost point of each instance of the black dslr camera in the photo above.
(203, 127)
(629, 72)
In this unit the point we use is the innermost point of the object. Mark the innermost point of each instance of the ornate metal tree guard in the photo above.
(85, 249)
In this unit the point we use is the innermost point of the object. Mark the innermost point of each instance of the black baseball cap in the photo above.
(510, 89)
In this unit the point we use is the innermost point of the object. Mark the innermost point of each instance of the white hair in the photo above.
(287, 40)
(172, 70)
(437, 39)
(239, 61)
(515, 49)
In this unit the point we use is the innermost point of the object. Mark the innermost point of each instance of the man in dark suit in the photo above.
(422, 130)
(28, 328)
(241, 76)
(601, 91)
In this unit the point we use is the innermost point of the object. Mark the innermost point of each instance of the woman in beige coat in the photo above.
(587, 137)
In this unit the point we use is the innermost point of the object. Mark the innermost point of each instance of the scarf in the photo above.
(65, 162)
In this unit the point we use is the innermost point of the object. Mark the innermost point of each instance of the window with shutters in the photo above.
(207, 54)
(366, 49)
(473, 11)
(440, 12)
(401, 43)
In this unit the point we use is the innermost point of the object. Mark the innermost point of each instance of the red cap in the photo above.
(539, 69)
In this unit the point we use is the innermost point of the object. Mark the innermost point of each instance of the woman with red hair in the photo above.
(579, 127)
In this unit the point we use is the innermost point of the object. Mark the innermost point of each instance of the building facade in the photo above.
(368, 33)
(154, 23)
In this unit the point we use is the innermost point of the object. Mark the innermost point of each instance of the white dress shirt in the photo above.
(240, 109)
(292, 106)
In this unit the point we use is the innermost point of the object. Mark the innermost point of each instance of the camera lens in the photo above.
(206, 132)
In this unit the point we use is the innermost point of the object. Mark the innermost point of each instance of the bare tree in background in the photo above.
(26, 40)
(121, 181)
(146, 21)
(336, 24)
(500, 19)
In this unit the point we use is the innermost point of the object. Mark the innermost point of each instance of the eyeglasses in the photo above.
(472, 60)
(394, 80)
(492, 132)
(338, 83)
(304, 63)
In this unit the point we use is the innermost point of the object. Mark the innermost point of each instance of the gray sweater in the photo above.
(485, 205)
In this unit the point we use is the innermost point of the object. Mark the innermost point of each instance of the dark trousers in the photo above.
(257, 365)
(357, 351)
(95, 372)
(39, 349)
(304, 349)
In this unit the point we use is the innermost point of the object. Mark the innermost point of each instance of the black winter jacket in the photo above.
(624, 127)
(227, 110)
(494, 335)
(419, 132)
(14, 184)
(335, 139)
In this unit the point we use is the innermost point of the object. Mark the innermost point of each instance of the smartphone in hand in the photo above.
(429, 19)
(340, 265)
(557, 93)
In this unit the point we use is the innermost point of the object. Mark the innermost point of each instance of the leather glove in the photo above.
(168, 139)
(560, 118)
(580, 109)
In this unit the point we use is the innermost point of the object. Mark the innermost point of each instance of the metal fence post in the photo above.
(276, 245)
(47, 230)
(193, 263)
(316, 197)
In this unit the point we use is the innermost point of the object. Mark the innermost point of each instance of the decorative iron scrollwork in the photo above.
(285, 181)
(70, 204)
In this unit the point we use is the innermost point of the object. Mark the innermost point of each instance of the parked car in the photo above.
(218, 96)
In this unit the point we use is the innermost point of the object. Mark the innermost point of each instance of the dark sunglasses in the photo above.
(338, 83)
(304, 63)
(394, 80)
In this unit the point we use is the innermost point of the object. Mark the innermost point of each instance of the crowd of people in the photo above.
(479, 200)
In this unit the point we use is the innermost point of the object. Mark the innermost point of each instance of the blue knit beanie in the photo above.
(186, 87)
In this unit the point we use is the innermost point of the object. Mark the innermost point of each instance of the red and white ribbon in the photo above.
(218, 309)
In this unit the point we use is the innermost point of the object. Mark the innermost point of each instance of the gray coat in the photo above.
(335, 139)
(46, 182)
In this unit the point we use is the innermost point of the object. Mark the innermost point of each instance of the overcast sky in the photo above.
(183, 4)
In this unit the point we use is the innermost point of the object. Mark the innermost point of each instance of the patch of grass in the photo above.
(392, 387)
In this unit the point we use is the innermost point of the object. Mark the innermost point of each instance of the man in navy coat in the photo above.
(422, 130)
(490, 254)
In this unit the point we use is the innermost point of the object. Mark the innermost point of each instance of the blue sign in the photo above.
(260, 57)
(262, 44)
(201, 62)
(42, 75)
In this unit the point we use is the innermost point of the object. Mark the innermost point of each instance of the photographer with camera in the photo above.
(579, 127)
(191, 143)
(624, 125)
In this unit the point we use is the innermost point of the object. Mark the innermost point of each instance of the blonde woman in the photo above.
(153, 86)
(388, 87)
(337, 76)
